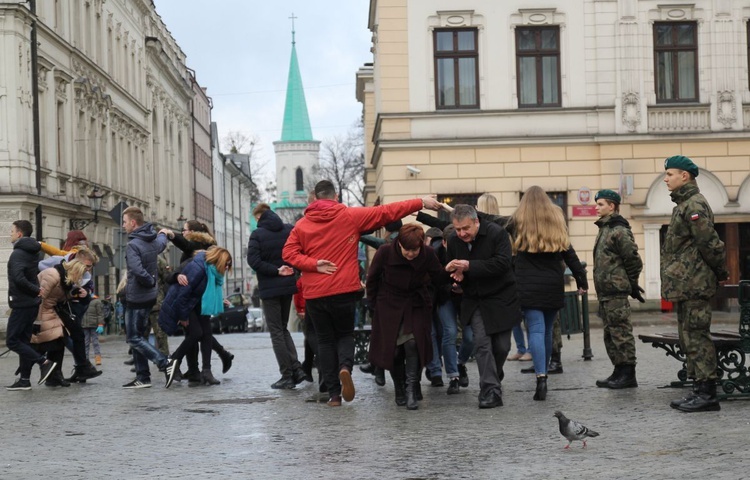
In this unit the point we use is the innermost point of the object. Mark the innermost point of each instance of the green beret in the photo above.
(610, 195)
(681, 162)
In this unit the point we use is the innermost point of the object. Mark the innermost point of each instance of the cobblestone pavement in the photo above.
(244, 429)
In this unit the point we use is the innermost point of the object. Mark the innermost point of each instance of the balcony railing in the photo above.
(679, 118)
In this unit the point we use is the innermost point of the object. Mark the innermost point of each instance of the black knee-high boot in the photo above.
(413, 373)
(398, 375)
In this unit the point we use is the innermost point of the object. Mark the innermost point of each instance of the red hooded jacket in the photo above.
(330, 231)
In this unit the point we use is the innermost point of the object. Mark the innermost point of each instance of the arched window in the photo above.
(298, 178)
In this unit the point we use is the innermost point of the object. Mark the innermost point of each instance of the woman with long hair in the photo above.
(195, 236)
(397, 287)
(541, 244)
(58, 285)
(192, 304)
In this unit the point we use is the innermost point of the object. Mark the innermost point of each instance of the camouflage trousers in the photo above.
(618, 331)
(694, 327)
(162, 339)
(556, 335)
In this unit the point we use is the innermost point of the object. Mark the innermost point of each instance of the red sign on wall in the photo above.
(584, 211)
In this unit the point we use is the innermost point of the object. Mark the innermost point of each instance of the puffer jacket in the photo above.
(180, 300)
(264, 256)
(53, 291)
(693, 258)
(144, 246)
(94, 315)
(617, 264)
(23, 283)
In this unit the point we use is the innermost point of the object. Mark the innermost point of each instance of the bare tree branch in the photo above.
(342, 161)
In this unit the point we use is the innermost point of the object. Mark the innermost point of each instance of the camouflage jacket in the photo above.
(163, 275)
(617, 264)
(693, 259)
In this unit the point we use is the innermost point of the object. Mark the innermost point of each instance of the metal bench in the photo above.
(574, 318)
(731, 349)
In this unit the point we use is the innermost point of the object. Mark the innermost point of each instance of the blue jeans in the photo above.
(435, 366)
(137, 325)
(518, 336)
(467, 345)
(448, 323)
(539, 323)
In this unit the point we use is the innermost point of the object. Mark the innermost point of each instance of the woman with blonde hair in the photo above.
(541, 245)
(58, 285)
(193, 301)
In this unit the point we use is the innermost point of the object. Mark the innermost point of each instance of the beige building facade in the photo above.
(469, 97)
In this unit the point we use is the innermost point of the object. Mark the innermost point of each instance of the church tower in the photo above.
(296, 153)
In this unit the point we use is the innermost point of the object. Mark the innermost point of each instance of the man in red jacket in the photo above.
(323, 245)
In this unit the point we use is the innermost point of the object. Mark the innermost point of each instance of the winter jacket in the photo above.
(541, 278)
(94, 315)
(264, 256)
(162, 281)
(181, 300)
(144, 246)
(53, 291)
(191, 242)
(489, 285)
(23, 284)
(617, 264)
(693, 258)
(330, 231)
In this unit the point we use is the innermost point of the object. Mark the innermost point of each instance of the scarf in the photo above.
(212, 301)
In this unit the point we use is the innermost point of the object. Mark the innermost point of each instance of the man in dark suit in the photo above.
(479, 255)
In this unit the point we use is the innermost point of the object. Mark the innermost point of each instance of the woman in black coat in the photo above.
(541, 245)
(397, 286)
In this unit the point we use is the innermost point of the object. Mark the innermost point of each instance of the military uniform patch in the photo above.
(694, 217)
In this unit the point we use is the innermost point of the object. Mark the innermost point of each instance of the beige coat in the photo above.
(51, 291)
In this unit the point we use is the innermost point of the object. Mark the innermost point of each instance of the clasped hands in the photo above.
(457, 269)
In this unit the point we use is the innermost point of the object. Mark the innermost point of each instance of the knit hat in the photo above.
(681, 162)
(434, 232)
(610, 195)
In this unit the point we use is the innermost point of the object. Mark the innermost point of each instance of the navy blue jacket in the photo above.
(144, 246)
(23, 284)
(180, 301)
(264, 256)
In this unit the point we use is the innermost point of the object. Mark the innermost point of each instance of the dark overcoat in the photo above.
(489, 284)
(398, 289)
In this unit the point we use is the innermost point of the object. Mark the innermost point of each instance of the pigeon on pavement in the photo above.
(573, 430)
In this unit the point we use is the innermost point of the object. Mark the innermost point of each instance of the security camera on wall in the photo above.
(413, 170)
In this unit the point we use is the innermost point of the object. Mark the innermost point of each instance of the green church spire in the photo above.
(296, 126)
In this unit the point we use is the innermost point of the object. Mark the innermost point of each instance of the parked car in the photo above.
(234, 317)
(255, 319)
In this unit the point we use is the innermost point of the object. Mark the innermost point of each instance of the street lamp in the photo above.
(95, 203)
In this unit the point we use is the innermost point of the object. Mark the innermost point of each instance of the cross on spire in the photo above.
(292, 18)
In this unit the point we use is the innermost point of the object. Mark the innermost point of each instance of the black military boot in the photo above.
(555, 364)
(686, 398)
(398, 375)
(605, 383)
(704, 401)
(226, 359)
(412, 381)
(626, 378)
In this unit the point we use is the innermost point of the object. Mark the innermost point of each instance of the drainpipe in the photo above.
(35, 117)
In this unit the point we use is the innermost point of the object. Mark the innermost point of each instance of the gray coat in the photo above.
(144, 246)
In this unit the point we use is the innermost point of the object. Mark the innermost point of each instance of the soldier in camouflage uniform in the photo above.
(693, 262)
(617, 267)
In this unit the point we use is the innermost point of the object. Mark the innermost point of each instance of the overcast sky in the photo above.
(240, 51)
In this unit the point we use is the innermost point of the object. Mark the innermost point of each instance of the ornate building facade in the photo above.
(114, 120)
(464, 98)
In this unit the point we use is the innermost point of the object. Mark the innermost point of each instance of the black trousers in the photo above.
(18, 338)
(333, 319)
(198, 331)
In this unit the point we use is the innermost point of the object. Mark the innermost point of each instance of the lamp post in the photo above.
(95, 203)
